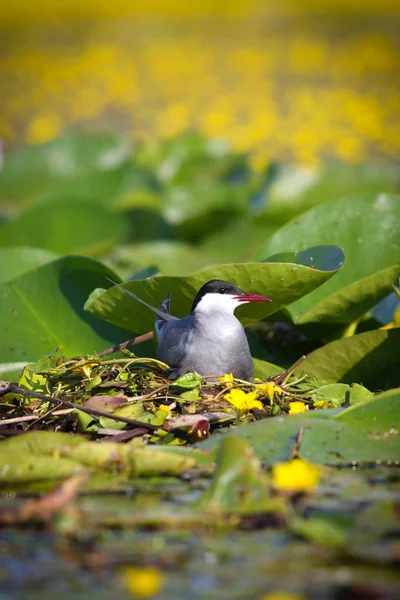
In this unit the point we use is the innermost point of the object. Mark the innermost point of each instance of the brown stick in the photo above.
(137, 340)
(284, 375)
(296, 448)
(56, 413)
(12, 388)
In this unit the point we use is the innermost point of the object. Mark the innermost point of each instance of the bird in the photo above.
(210, 341)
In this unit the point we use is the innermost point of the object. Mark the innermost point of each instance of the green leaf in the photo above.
(92, 163)
(239, 485)
(169, 256)
(283, 283)
(358, 393)
(16, 261)
(380, 415)
(188, 381)
(295, 189)
(367, 229)
(190, 396)
(368, 358)
(325, 440)
(70, 226)
(264, 369)
(320, 531)
(44, 455)
(43, 309)
(238, 240)
(338, 393)
(324, 258)
(31, 457)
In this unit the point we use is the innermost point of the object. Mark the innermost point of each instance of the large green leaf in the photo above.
(280, 282)
(239, 485)
(292, 190)
(18, 260)
(43, 455)
(264, 369)
(238, 239)
(93, 163)
(171, 257)
(379, 416)
(325, 440)
(370, 358)
(43, 309)
(367, 228)
(70, 226)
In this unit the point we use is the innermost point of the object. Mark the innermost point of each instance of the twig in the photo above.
(295, 450)
(12, 388)
(137, 340)
(284, 376)
(63, 411)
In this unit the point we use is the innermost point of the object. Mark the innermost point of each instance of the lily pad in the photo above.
(338, 393)
(295, 189)
(43, 310)
(71, 226)
(17, 260)
(367, 358)
(283, 283)
(239, 485)
(379, 415)
(93, 162)
(325, 440)
(31, 457)
(366, 227)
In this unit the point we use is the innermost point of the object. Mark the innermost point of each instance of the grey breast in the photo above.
(209, 346)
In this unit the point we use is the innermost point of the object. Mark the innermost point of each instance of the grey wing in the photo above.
(173, 341)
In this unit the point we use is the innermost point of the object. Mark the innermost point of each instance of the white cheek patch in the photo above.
(218, 303)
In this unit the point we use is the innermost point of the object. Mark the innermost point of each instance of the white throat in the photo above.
(217, 304)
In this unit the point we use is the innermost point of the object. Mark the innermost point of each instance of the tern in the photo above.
(210, 340)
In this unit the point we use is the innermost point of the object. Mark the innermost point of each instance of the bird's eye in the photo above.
(222, 290)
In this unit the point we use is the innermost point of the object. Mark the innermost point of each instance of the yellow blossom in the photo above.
(269, 389)
(296, 474)
(165, 408)
(243, 401)
(297, 407)
(187, 78)
(324, 404)
(143, 581)
(227, 379)
(85, 369)
(281, 596)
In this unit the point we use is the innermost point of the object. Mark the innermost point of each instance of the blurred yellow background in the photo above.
(305, 81)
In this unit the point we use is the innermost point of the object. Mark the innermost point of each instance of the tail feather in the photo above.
(165, 308)
(162, 315)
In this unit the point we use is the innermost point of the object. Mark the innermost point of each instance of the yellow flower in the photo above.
(143, 581)
(269, 389)
(281, 596)
(165, 408)
(324, 404)
(227, 379)
(243, 401)
(85, 369)
(297, 407)
(296, 474)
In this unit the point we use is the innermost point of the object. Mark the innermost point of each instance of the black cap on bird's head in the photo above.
(233, 294)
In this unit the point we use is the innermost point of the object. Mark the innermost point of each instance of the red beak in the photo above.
(249, 297)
